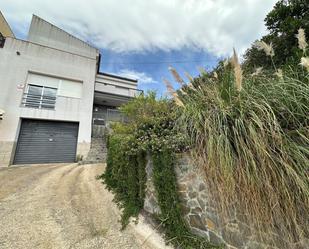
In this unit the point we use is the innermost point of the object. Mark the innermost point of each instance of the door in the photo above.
(42, 141)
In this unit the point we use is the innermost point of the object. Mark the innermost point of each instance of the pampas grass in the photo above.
(267, 48)
(305, 62)
(301, 37)
(253, 147)
(279, 73)
(176, 76)
(257, 72)
(237, 71)
(172, 92)
(189, 77)
(226, 62)
(251, 138)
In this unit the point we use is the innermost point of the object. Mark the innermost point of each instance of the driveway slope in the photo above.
(59, 206)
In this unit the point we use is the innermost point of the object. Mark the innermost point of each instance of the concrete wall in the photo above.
(17, 59)
(116, 81)
(5, 29)
(45, 33)
(127, 92)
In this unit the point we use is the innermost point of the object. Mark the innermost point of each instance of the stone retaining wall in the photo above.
(201, 215)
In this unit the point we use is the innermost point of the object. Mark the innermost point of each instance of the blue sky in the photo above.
(151, 67)
(141, 39)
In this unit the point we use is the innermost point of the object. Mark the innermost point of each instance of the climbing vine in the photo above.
(150, 129)
(125, 176)
(171, 216)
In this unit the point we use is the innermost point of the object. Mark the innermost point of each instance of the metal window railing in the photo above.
(110, 115)
(39, 101)
(115, 116)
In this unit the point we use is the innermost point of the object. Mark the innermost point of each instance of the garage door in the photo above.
(46, 142)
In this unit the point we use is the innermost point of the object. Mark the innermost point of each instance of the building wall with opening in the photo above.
(23, 63)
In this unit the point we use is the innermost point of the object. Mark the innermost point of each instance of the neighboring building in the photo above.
(53, 94)
(5, 28)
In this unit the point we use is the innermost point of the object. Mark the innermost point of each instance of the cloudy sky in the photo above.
(141, 38)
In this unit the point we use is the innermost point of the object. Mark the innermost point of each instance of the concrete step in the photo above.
(97, 152)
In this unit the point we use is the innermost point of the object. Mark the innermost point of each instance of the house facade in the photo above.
(52, 95)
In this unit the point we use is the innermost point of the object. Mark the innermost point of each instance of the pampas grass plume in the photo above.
(301, 37)
(279, 74)
(189, 77)
(305, 62)
(176, 76)
(258, 71)
(237, 71)
(267, 48)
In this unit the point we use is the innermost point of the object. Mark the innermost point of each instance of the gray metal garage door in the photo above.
(43, 141)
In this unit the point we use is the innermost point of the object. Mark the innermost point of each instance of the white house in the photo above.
(51, 94)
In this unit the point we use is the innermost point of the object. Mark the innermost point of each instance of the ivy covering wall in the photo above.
(150, 129)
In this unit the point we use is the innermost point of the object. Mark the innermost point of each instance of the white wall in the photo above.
(40, 59)
(100, 78)
(44, 33)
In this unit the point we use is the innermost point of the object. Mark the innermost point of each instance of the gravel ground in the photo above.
(59, 206)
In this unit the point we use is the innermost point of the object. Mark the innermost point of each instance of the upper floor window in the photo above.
(40, 97)
(42, 90)
(2, 40)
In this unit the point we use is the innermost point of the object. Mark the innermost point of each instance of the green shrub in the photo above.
(125, 176)
(150, 129)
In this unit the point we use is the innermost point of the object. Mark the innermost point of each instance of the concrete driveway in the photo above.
(59, 206)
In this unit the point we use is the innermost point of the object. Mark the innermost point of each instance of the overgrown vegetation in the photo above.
(150, 129)
(251, 136)
(171, 217)
(248, 131)
(125, 176)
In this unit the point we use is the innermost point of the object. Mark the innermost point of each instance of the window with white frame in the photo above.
(40, 97)
(42, 90)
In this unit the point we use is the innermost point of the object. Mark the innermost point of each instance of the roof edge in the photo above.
(117, 77)
(36, 16)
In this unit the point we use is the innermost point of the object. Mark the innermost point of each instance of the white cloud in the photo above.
(125, 26)
(142, 77)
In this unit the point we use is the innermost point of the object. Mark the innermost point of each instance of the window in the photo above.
(65, 87)
(2, 40)
(40, 97)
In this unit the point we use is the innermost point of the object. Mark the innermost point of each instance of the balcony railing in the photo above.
(115, 116)
(39, 101)
(111, 115)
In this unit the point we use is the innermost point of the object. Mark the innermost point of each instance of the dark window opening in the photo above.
(2, 40)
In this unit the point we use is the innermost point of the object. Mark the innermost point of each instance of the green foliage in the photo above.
(253, 146)
(151, 124)
(150, 129)
(125, 176)
(283, 23)
(171, 217)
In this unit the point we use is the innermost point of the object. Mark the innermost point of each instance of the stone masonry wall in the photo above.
(200, 213)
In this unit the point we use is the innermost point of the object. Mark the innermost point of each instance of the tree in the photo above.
(282, 23)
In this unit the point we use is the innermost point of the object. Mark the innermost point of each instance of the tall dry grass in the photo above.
(250, 135)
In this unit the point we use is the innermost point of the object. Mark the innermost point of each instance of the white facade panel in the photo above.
(70, 88)
(42, 80)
